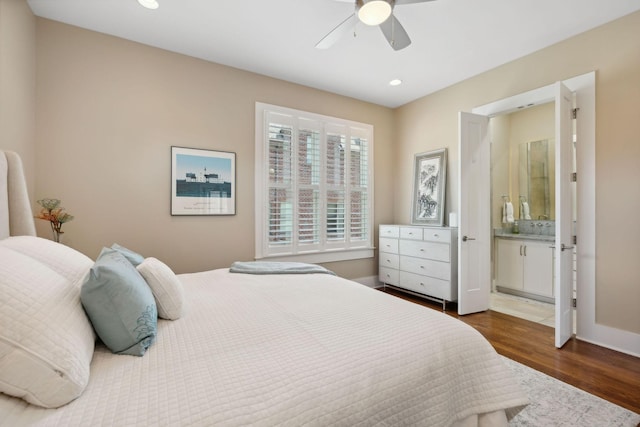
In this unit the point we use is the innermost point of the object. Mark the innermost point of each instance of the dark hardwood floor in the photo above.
(609, 374)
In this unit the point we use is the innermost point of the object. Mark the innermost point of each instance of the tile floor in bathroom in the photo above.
(534, 311)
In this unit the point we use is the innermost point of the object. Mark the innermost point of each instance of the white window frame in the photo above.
(325, 251)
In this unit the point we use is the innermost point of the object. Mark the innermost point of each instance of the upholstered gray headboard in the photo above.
(16, 217)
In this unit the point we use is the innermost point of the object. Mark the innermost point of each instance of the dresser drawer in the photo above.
(437, 235)
(427, 267)
(389, 260)
(389, 231)
(389, 276)
(388, 245)
(427, 285)
(411, 233)
(423, 249)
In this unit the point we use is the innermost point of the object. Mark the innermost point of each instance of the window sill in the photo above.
(322, 257)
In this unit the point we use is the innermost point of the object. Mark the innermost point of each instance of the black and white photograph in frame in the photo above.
(430, 184)
(203, 182)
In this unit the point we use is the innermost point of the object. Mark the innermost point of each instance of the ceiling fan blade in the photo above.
(395, 33)
(335, 34)
(411, 1)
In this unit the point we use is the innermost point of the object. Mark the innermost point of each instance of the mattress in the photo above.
(291, 349)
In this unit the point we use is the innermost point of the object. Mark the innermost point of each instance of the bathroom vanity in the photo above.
(524, 264)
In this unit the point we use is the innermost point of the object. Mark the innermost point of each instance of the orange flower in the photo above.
(55, 214)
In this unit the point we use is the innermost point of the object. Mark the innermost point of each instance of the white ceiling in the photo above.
(452, 39)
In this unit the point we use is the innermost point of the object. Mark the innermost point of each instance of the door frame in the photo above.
(587, 328)
(584, 87)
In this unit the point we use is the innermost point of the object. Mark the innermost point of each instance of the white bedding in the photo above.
(290, 350)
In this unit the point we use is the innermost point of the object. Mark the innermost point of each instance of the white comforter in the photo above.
(290, 350)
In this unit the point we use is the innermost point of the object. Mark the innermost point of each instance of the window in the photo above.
(314, 186)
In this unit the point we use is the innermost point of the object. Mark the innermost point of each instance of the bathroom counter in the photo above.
(524, 236)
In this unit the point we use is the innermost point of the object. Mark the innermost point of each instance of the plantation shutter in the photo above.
(308, 185)
(359, 189)
(317, 187)
(280, 184)
(335, 185)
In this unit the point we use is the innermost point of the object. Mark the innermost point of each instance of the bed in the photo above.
(249, 349)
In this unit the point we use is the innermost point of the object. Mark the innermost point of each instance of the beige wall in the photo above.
(613, 50)
(108, 112)
(18, 82)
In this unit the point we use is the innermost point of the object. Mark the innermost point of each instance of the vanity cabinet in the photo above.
(524, 266)
(420, 259)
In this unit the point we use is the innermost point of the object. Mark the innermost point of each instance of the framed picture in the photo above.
(430, 184)
(203, 182)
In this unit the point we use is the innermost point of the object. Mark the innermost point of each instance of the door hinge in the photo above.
(574, 177)
(575, 240)
(574, 113)
(574, 302)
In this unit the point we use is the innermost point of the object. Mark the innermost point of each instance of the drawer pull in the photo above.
(422, 267)
(388, 260)
(421, 284)
(436, 235)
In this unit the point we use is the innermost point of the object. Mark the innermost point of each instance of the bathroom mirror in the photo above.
(536, 180)
(523, 161)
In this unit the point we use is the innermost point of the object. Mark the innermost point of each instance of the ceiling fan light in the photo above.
(374, 12)
(149, 4)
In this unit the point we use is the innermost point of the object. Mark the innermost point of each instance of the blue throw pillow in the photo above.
(120, 304)
(133, 257)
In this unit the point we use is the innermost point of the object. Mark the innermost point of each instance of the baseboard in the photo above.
(613, 339)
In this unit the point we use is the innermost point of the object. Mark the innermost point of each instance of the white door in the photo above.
(564, 215)
(474, 213)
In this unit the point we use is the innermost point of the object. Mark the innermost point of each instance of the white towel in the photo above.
(508, 213)
(525, 211)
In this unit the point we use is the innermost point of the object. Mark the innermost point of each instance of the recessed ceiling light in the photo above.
(149, 4)
(395, 82)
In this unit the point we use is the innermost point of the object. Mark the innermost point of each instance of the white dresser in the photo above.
(420, 259)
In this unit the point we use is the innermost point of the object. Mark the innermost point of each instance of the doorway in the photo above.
(470, 126)
(523, 184)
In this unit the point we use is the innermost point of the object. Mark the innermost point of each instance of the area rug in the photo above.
(558, 404)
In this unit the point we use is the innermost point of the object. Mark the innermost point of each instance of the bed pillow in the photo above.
(120, 304)
(133, 257)
(62, 259)
(46, 340)
(166, 287)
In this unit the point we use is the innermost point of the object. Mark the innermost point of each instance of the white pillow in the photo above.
(62, 259)
(166, 287)
(46, 340)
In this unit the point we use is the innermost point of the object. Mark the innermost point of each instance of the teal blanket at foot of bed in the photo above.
(272, 267)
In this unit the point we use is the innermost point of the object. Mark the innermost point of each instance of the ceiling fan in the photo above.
(373, 12)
